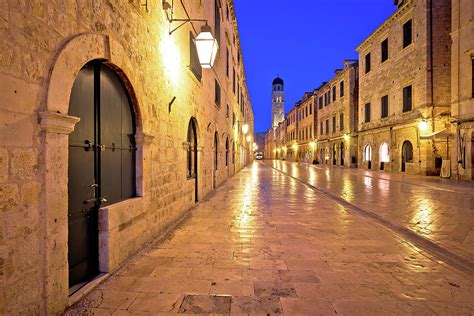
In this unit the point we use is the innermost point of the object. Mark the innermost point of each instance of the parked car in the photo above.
(259, 156)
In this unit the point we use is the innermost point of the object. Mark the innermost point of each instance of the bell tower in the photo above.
(278, 102)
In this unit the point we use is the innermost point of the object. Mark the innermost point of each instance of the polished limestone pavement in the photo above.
(268, 243)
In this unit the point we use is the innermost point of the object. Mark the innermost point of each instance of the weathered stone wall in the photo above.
(44, 45)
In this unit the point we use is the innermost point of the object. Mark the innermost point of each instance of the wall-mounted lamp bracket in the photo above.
(170, 7)
(145, 4)
(170, 104)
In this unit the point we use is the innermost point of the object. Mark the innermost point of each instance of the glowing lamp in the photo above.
(347, 137)
(423, 126)
(206, 46)
(245, 128)
(295, 146)
(249, 138)
(312, 144)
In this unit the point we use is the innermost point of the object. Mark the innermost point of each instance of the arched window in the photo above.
(216, 155)
(384, 153)
(227, 152)
(367, 153)
(192, 150)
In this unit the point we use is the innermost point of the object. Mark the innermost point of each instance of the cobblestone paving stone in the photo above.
(267, 244)
(437, 209)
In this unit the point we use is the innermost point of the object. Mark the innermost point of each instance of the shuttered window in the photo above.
(407, 99)
(384, 106)
(367, 112)
(384, 47)
(407, 33)
(367, 63)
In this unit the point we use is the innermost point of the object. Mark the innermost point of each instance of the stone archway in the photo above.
(56, 125)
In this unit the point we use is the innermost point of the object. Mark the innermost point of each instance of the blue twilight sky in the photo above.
(303, 41)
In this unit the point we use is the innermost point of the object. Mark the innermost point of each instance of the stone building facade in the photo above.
(63, 64)
(306, 117)
(462, 90)
(404, 99)
(337, 108)
(289, 143)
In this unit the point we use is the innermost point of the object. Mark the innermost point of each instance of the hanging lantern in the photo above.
(206, 46)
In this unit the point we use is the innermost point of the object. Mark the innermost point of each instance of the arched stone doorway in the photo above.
(368, 156)
(192, 156)
(384, 155)
(407, 154)
(342, 153)
(101, 163)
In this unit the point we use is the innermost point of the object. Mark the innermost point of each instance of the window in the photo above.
(321, 99)
(233, 79)
(227, 111)
(329, 96)
(341, 89)
(217, 22)
(227, 152)
(217, 93)
(334, 93)
(233, 119)
(367, 63)
(341, 121)
(321, 128)
(407, 33)
(407, 99)
(367, 112)
(227, 12)
(333, 124)
(310, 108)
(384, 50)
(384, 105)
(227, 62)
(327, 127)
(194, 63)
(310, 132)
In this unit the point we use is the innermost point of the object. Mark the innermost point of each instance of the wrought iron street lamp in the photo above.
(206, 46)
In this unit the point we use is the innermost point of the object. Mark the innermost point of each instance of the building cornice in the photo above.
(400, 11)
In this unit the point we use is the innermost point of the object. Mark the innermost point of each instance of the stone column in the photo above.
(54, 209)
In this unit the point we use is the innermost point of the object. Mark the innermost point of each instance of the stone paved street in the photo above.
(437, 209)
(265, 243)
